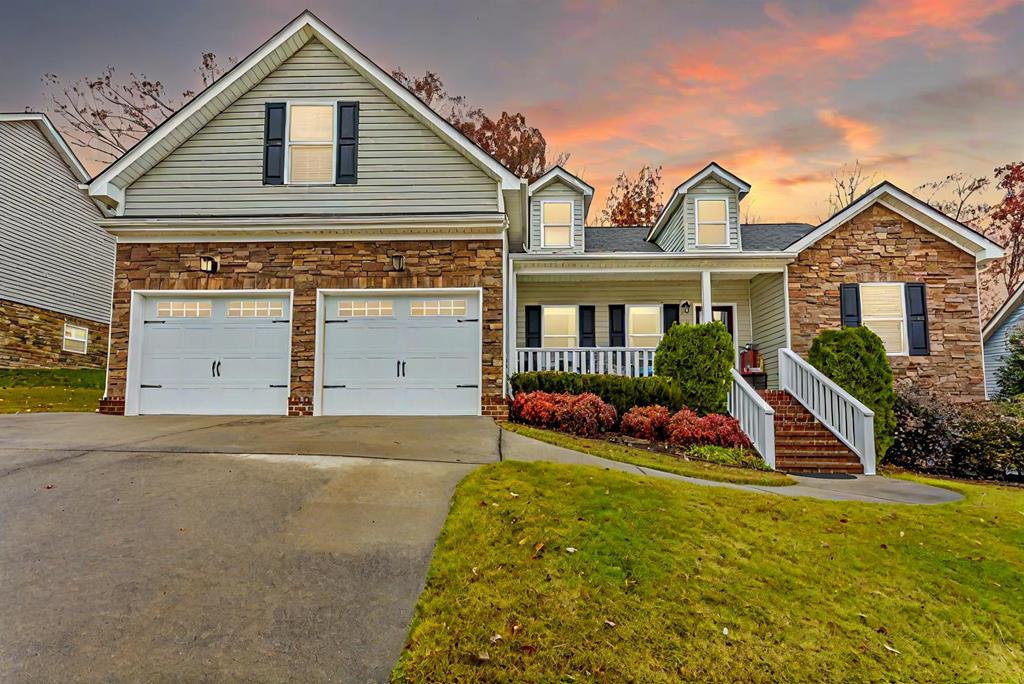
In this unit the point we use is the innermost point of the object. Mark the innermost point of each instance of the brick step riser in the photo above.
(815, 455)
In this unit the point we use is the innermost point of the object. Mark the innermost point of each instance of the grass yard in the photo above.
(648, 459)
(40, 390)
(676, 582)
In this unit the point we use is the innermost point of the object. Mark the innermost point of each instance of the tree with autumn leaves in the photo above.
(634, 201)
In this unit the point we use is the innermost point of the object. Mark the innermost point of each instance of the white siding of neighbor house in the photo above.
(996, 349)
(680, 234)
(53, 255)
(768, 324)
(556, 190)
(404, 167)
(600, 293)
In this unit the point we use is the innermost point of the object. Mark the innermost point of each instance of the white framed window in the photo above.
(76, 339)
(558, 327)
(190, 308)
(310, 144)
(643, 325)
(556, 223)
(255, 308)
(438, 307)
(883, 311)
(712, 216)
(364, 308)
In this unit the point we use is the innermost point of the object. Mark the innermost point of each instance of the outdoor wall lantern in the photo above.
(398, 262)
(208, 264)
(686, 307)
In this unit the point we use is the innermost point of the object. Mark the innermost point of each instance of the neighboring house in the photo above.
(307, 237)
(1009, 318)
(56, 262)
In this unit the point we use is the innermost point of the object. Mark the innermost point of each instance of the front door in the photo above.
(723, 314)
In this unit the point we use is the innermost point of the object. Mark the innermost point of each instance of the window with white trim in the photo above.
(712, 222)
(310, 143)
(643, 326)
(255, 308)
(76, 339)
(883, 311)
(558, 327)
(191, 308)
(364, 308)
(438, 307)
(556, 224)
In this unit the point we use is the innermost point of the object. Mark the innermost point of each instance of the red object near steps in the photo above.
(803, 444)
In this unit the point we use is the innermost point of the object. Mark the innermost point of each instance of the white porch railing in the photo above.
(632, 361)
(848, 419)
(755, 416)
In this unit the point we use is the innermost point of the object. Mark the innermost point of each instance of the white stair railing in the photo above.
(754, 415)
(846, 417)
(637, 362)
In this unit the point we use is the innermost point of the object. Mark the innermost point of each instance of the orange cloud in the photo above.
(860, 136)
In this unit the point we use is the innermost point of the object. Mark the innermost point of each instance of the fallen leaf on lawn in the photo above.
(49, 486)
(609, 623)
(483, 655)
(516, 627)
(513, 495)
(884, 546)
(725, 631)
(474, 570)
(527, 649)
(862, 616)
(843, 520)
(570, 549)
(882, 630)
(496, 638)
(901, 534)
(522, 541)
(538, 549)
(891, 649)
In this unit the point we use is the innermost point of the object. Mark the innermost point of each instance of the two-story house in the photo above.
(306, 237)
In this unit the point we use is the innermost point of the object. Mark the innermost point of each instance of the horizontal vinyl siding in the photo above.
(680, 234)
(53, 255)
(996, 350)
(403, 165)
(556, 191)
(601, 293)
(768, 310)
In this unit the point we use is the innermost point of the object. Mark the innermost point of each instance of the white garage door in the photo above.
(215, 355)
(409, 355)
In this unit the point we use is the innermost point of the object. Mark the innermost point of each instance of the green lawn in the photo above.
(648, 459)
(39, 390)
(676, 582)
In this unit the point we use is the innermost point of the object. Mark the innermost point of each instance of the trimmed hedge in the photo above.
(698, 358)
(580, 414)
(855, 359)
(621, 392)
(646, 422)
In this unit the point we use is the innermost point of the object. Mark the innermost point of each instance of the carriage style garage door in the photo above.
(401, 355)
(215, 355)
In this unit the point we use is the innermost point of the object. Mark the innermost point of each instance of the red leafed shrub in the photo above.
(585, 414)
(686, 428)
(646, 422)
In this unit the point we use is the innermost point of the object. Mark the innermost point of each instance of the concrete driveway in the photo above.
(186, 548)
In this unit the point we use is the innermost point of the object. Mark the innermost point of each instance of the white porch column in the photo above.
(705, 297)
(511, 329)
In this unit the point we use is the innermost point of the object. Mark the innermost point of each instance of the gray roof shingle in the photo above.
(610, 240)
(757, 237)
(772, 237)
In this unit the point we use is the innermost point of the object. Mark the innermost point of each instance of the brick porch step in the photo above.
(803, 444)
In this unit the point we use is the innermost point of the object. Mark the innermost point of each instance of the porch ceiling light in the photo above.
(398, 262)
(208, 264)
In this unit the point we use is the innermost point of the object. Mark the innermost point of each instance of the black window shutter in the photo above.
(849, 305)
(617, 325)
(669, 316)
(588, 329)
(273, 143)
(917, 319)
(533, 326)
(348, 143)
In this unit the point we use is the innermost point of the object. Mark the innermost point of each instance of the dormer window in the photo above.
(311, 143)
(712, 222)
(556, 224)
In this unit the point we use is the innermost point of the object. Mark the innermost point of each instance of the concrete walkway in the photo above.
(867, 488)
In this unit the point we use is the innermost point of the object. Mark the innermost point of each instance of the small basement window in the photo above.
(883, 311)
(311, 144)
(76, 339)
(556, 224)
(558, 326)
(712, 222)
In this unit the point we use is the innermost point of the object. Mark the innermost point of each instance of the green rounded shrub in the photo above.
(855, 359)
(698, 358)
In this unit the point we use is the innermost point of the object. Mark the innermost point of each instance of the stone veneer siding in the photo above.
(879, 245)
(305, 267)
(31, 337)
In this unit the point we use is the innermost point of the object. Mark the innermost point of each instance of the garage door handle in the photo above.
(339, 321)
(218, 369)
(213, 368)
(150, 322)
(398, 369)
(281, 320)
(403, 369)
(279, 386)
(466, 386)
(334, 386)
(468, 320)
(150, 386)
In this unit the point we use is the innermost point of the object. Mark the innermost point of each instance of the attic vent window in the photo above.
(311, 144)
(556, 224)
(712, 222)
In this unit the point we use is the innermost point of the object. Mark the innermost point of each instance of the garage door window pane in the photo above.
(559, 326)
(438, 307)
(185, 309)
(255, 308)
(76, 338)
(363, 308)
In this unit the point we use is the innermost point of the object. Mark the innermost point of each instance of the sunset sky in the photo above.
(781, 93)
